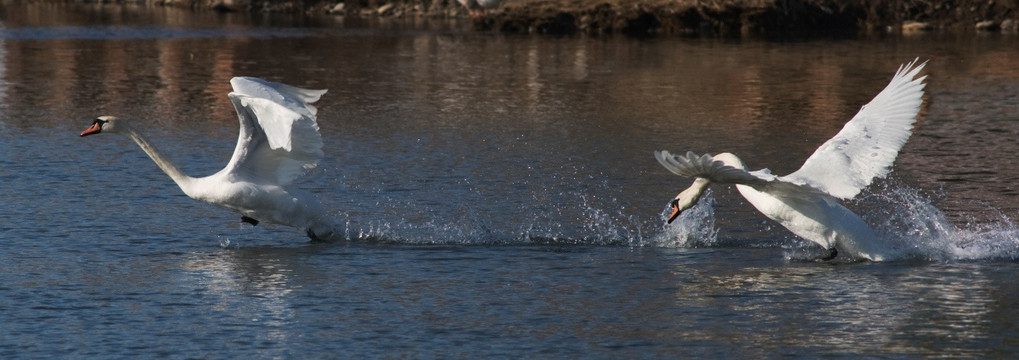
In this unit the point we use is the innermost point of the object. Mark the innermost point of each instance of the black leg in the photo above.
(248, 220)
(831, 254)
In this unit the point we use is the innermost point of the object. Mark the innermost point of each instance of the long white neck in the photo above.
(689, 197)
(183, 181)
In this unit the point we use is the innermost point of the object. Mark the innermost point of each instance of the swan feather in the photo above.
(868, 144)
(705, 166)
(277, 142)
(279, 137)
(805, 202)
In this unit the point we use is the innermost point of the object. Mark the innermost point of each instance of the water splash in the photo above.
(586, 219)
(915, 229)
(999, 241)
(695, 227)
(907, 219)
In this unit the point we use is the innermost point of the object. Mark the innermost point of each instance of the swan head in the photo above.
(102, 124)
(688, 198)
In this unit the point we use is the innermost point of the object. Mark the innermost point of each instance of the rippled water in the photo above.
(500, 190)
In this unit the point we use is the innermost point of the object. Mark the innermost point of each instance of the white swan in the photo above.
(478, 7)
(278, 141)
(806, 201)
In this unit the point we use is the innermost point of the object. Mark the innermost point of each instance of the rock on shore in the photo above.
(670, 17)
(699, 17)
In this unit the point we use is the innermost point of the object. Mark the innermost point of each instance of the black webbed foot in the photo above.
(248, 220)
(313, 237)
(831, 254)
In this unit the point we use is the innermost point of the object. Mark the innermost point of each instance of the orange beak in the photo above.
(94, 129)
(675, 211)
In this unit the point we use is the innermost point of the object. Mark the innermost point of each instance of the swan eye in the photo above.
(675, 211)
(99, 123)
(95, 128)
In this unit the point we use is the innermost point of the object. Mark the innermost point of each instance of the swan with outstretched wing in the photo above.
(279, 140)
(807, 201)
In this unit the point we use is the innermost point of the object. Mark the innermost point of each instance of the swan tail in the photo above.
(704, 166)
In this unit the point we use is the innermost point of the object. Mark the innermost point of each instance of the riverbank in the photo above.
(669, 17)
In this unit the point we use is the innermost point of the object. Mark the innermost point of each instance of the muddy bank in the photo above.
(655, 17)
(669, 17)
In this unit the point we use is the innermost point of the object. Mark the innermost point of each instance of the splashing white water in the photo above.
(912, 226)
(695, 227)
(915, 229)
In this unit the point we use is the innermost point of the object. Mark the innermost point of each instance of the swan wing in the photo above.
(279, 137)
(867, 145)
(704, 166)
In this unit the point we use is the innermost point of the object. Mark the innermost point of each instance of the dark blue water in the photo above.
(500, 194)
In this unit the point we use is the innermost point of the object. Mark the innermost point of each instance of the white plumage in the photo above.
(478, 7)
(279, 140)
(806, 201)
(479, 4)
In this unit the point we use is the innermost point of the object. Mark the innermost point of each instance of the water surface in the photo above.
(500, 190)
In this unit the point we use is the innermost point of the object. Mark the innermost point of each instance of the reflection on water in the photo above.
(536, 151)
(255, 284)
(849, 307)
(537, 138)
(704, 304)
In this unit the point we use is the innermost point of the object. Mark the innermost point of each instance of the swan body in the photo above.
(478, 7)
(279, 140)
(479, 4)
(807, 201)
